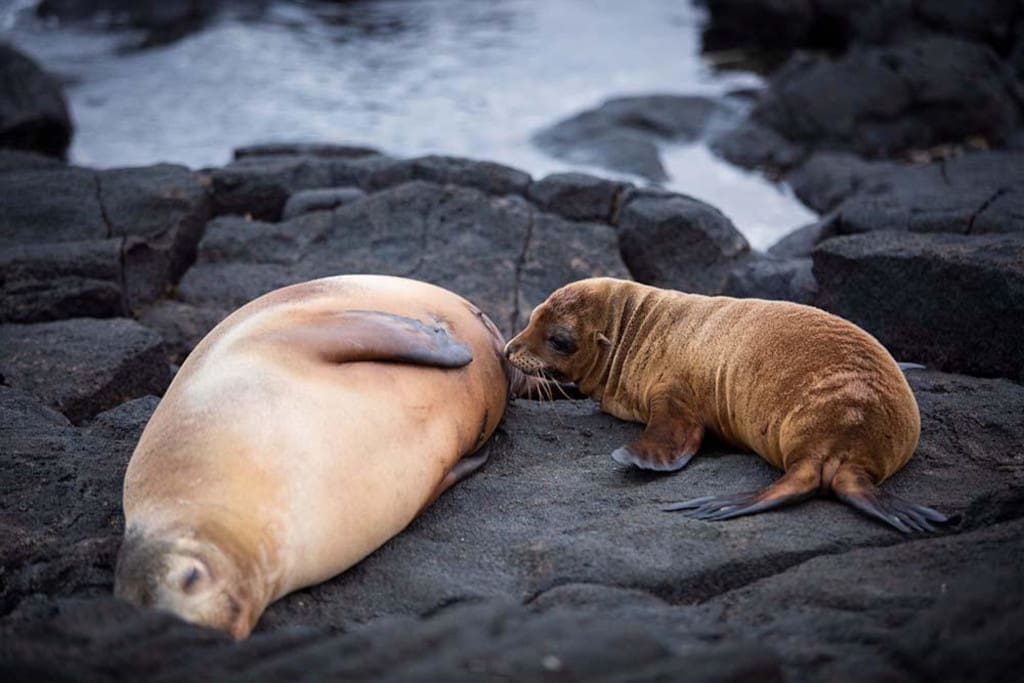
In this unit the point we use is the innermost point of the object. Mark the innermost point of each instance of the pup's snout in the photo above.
(511, 348)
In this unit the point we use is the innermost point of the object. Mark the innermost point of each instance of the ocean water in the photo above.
(472, 78)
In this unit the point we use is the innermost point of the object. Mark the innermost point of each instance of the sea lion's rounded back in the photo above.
(313, 463)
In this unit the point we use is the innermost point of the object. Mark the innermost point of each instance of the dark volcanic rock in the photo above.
(259, 185)
(83, 366)
(305, 149)
(620, 135)
(160, 211)
(61, 521)
(769, 278)
(941, 609)
(63, 280)
(496, 250)
(595, 579)
(827, 178)
(835, 24)
(486, 176)
(974, 194)
(754, 145)
(155, 214)
(952, 301)
(33, 112)
(679, 242)
(930, 91)
(326, 198)
(578, 196)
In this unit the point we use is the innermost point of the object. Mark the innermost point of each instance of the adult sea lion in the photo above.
(811, 393)
(304, 431)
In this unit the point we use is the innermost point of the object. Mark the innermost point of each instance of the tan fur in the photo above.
(267, 467)
(811, 393)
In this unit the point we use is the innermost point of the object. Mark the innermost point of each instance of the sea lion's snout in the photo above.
(159, 574)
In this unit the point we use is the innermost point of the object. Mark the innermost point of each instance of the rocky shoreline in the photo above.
(553, 563)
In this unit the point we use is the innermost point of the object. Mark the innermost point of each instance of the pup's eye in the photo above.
(562, 342)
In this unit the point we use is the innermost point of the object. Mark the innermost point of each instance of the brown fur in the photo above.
(811, 393)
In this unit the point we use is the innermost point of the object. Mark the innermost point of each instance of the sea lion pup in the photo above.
(304, 431)
(811, 393)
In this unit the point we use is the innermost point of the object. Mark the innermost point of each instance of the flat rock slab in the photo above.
(156, 214)
(975, 194)
(886, 282)
(83, 366)
(555, 561)
(498, 251)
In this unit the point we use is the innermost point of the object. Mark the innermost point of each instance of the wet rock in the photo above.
(754, 145)
(915, 95)
(620, 135)
(825, 179)
(951, 301)
(64, 280)
(769, 278)
(578, 196)
(304, 149)
(680, 243)
(83, 366)
(164, 20)
(33, 111)
(801, 242)
(491, 249)
(319, 200)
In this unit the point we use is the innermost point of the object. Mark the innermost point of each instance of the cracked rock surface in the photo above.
(552, 562)
(553, 558)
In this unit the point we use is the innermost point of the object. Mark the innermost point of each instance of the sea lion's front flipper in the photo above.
(799, 482)
(856, 489)
(670, 440)
(357, 335)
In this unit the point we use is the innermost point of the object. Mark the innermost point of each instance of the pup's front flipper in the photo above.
(670, 440)
(351, 336)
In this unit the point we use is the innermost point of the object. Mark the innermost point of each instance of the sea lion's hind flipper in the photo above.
(356, 335)
(859, 492)
(799, 483)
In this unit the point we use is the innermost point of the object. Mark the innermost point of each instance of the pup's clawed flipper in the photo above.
(668, 443)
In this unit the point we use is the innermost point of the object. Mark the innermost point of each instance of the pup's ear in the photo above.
(603, 340)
